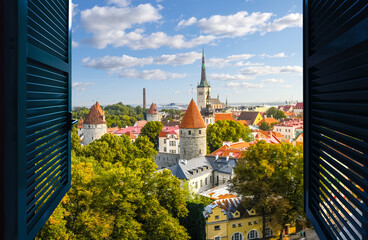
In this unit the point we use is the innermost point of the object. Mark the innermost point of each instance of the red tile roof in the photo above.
(223, 116)
(299, 105)
(112, 130)
(95, 115)
(140, 123)
(192, 117)
(134, 129)
(269, 121)
(130, 135)
(80, 123)
(153, 109)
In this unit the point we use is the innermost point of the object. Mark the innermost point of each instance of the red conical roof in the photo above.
(95, 115)
(192, 117)
(153, 109)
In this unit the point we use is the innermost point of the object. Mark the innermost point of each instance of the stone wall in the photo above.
(92, 132)
(152, 117)
(192, 143)
(202, 96)
(164, 160)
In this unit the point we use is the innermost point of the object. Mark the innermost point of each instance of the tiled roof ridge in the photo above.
(95, 115)
(192, 117)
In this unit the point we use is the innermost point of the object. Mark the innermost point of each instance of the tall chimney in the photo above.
(144, 99)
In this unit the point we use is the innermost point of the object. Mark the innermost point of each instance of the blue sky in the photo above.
(253, 50)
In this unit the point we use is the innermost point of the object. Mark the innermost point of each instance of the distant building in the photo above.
(94, 126)
(152, 113)
(224, 116)
(251, 118)
(207, 112)
(289, 129)
(298, 109)
(135, 130)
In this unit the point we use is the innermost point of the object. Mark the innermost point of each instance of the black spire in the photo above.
(204, 82)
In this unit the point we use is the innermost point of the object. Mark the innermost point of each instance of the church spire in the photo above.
(204, 82)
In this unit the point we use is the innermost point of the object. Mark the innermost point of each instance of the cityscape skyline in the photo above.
(252, 51)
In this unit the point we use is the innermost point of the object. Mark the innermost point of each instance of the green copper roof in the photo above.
(204, 82)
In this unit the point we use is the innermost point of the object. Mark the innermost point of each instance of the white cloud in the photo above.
(112, 25)
(125, 61)
(222, 62)
(75, 44)
(81, 86)
(267, 70)
(278, 55)
(155, 74)
(228, 77)
(236, 85)
(242, 23)
(286, 86)
(288, 21)
(273, 80)
(119, 3)
(75, 9)
(243, 64)
(108, 24)
(188, 22)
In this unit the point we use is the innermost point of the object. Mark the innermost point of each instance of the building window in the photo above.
(217, 217)
(255, 222)
(234, 225)
(200, 131)
(210, 179)
(240, 225)
(249, 223)
(237, 236)
(253, 234)
(217, 238)
(165, 149)
(268, 232)
(164, 140)
(205, 181)
(217, 227)
(200, 151)
(190, 132)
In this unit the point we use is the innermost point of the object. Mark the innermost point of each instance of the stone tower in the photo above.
(192, 134)
(94, 126)
(152, 113)
(203, 88)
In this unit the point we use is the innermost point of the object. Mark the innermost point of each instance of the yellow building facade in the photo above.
(224, 221)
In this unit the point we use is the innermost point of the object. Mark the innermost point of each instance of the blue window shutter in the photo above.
(335, 117)
(44, 106)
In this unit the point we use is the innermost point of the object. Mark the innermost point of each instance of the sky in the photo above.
(253, 50)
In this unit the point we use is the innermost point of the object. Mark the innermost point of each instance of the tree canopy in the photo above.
(152, 129)
(270, 179)
(116, 193)
(116, 115)
(265, 126)
(226, 130)
(277, 114)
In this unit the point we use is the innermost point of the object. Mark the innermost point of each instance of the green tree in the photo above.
(226, 130)
(195, 222)
(118, 195)
(152, 129)
(270, 179)
(277, 114)
(265, 126)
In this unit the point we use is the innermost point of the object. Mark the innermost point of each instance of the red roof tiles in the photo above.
(95, 115)
(153, 109)
(192, 117)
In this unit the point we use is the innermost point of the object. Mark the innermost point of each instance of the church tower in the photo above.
(203, 88)
(94, 126)
(207, 112)
(192, 134)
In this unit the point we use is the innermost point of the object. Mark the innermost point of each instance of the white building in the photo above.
(289, 128)
(94, 126)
